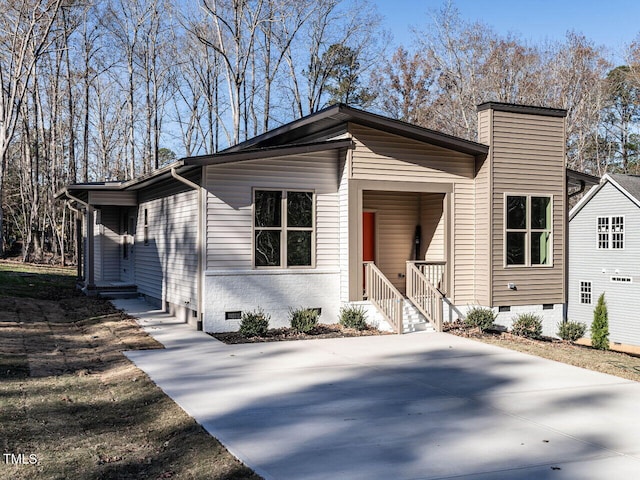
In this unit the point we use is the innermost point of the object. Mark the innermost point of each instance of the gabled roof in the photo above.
(628, 185)
(340, 114)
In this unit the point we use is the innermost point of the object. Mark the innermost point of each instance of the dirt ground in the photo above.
(73, 406)
(580, 355)
(287, 334)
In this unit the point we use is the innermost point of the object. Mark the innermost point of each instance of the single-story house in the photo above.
(344, 206)
(604, 235)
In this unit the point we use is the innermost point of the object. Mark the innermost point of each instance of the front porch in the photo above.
(403, 249)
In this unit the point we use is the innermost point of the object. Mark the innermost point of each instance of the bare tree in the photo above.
(26, 27)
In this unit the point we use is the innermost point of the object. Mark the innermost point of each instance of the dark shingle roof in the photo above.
(631, 183)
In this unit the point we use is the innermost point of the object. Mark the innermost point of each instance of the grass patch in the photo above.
(34, 281)
(70, 397)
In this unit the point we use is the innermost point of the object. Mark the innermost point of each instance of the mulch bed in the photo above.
(286, 334)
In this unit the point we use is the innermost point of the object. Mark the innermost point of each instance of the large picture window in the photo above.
(610, 232)
(528, 230)
(283, 228)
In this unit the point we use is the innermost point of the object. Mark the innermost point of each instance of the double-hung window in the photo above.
(610, 232)
(528, 230)
(283, 226)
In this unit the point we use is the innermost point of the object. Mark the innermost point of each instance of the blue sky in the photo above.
(611, 23)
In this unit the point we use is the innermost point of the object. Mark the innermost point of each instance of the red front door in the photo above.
(368, 236)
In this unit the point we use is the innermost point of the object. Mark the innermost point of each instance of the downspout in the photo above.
(199, 244)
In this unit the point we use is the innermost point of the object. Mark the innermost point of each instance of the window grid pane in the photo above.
(617, 232)
(585, 293)
(603, 232)
(283, 228)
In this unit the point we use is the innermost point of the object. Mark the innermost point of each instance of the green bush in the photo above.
(480, 317)
(571, 331)
(353, 316)
(254, 324)
(600, 325)
(528, 325)
(303, 320)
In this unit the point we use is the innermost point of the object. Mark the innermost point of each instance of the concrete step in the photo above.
(118, 294)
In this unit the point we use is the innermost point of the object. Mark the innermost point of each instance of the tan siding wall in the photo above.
(229, 205)
(383, 156)
(432, 225)
(483, 215)
(166, 268)
(396, 216)
(464, 243)
(528, 158)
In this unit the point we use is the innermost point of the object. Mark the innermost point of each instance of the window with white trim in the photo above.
(610, 232)
(528, 230)
(585, 293)
(283, 226)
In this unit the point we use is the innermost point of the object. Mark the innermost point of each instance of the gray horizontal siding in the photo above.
(587, 262)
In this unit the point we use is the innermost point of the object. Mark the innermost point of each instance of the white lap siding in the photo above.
(166, 267)
(231, 283)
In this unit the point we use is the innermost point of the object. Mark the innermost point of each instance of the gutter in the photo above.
(199, 243)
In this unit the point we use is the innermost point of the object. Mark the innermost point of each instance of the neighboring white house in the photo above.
(344, 206)
(604, 248)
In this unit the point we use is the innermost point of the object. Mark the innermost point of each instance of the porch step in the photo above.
(413, 320)
(113, 292)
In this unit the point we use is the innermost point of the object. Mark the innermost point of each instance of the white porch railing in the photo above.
(435, 272)
(381, 293)
(423, 294)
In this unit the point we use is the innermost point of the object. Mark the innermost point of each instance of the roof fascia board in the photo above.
(526, 109)
(258, 154)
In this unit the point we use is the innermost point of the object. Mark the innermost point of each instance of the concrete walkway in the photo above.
(417, 406)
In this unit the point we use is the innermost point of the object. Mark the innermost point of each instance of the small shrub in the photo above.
(254, 324)
(303, 320)
(353, 316)
(480, 317)
(571, 331)
(600, 325)
(528, 325)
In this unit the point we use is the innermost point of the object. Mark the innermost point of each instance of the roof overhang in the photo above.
(595, 189)
(268, 152)
(340, 114)
(80, 191)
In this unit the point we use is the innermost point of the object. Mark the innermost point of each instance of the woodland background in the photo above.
(112, 89)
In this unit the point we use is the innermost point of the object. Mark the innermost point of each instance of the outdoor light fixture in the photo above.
(512, 286)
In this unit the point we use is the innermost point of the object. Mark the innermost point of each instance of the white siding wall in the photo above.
(166, 268)
(231, 283)
(343, 195)
(589, 264)
(97, 246)
(110, 244)
(229, 205)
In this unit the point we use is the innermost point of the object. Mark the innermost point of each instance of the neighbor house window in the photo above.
(585, 293)
(528, 222)
(283, 222)
(146, 227)
(610, 231)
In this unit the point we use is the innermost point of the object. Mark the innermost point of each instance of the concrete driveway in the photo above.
(417, 406)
